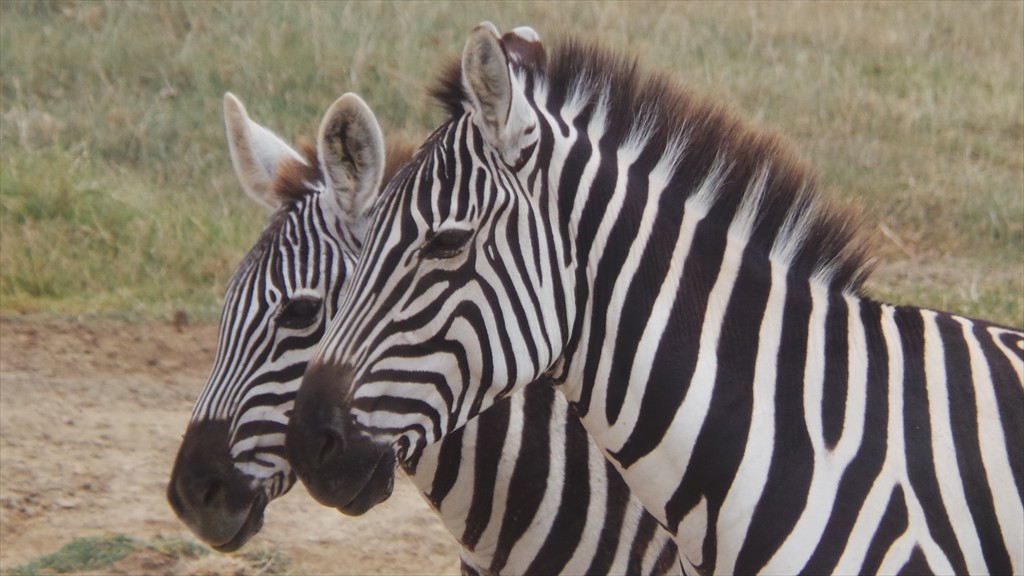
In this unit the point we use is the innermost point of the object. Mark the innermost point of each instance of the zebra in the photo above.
(513, 486)
(675, 274)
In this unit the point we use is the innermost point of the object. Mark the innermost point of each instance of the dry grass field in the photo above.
(119, 208)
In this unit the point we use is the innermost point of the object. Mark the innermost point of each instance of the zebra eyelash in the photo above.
(446, 243)
(299, 312)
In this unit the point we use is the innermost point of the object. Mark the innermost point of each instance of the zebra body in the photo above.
(522, 487)
(674, 274)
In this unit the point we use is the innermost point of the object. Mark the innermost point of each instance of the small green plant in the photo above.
(99, 554)
(178, 548)
(81, 555)
(265, 562)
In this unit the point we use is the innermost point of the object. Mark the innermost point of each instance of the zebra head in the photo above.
(232, 460)
(459, 297)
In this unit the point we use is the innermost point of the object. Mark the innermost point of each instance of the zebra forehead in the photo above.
(297, 182)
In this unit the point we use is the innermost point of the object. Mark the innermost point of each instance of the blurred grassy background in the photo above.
(117, 195)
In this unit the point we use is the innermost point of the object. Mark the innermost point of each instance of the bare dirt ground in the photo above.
(91, 414)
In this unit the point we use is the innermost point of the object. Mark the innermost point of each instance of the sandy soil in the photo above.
(90, 418)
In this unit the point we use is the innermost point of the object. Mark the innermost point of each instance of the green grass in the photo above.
(100, 554)
(117, 195)
(81, 555)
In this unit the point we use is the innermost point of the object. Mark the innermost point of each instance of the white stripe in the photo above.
(252, 442)
(595, 129)
(898, 554)
(586, 549)
(829, 466)
(692, 531)
(947, 472)
(275, 413)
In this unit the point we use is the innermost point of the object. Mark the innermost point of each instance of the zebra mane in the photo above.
(789, 215)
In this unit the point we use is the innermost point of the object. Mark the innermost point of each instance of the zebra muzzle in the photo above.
(340, 467)
(209, 494)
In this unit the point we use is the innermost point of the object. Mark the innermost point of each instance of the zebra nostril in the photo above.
(210, 491)
(331, 446)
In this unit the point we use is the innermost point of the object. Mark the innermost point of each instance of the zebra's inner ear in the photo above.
(256, 153)
(501, 110)
(350, 147)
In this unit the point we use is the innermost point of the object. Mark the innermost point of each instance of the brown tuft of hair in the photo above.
(295, 180)
(397, 153)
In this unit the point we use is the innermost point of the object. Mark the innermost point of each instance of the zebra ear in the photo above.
(256, 153)
(497, 98)
(350, 147)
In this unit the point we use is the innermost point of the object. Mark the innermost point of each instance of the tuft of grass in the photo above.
(264, 562)
(83, 554)
(104, 553)
(118, 197)
(178, 548)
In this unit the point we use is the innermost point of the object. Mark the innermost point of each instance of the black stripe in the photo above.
(576, 161)
(916, 564)
(298, 341)
(646, 528)
(569, 522)
(529, 481)
(632, 321)
(449, 462)
(917, 435)
(490, 439)
(399, 405)
(514, 267)
(668, 559)
(893, 524)
(966, 441)
(616, 500)
(837, 371)
(789, 474)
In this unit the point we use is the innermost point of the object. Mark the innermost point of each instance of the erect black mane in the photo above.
(588, 75)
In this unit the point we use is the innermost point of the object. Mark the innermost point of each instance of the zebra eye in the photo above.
(446, 243)
(299, 312)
